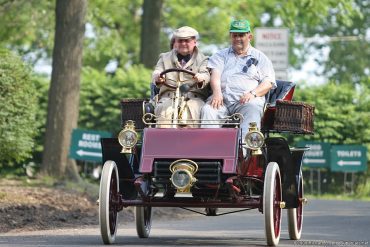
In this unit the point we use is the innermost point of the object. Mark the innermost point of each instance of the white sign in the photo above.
(274, 42)
(281, 75)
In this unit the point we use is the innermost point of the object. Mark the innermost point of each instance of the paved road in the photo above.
(326, 223)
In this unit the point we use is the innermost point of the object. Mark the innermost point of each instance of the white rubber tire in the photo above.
(108, 215)
(272, 211)
(143, 218)
(295, 216)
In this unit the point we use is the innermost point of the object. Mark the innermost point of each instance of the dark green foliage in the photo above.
(348, 59)
(42, 86)
(28, 27)
(18, 109)
(342, 113)
(113, 35)
(101, 94)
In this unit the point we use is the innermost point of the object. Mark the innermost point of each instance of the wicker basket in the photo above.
(132, 109)
(294, 117)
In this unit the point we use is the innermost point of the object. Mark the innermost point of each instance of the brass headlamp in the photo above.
(183, 174)
(128, 137)
(254, 139)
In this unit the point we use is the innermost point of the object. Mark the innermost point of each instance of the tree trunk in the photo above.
(64, 92)
(150, 32)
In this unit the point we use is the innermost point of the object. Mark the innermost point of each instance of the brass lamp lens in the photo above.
(127, 138)
(254, 139)
(181, 178)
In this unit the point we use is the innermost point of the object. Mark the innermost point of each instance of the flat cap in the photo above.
(185, 33)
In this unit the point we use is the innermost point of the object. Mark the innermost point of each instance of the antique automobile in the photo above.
(205, 168)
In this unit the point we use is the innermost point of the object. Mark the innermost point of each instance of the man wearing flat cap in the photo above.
(241, 76)
(185, 55)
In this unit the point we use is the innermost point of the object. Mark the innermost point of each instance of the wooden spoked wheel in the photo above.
(295, 215)
(108, 202)
(271, 203)
(143, 217)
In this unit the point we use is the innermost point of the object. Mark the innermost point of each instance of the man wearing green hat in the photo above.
(241, 75)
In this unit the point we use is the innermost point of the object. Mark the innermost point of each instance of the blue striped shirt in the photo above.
(236, 76)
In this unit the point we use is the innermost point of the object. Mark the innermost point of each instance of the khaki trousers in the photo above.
(164, 110)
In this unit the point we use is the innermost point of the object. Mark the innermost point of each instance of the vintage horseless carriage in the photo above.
(205, 168)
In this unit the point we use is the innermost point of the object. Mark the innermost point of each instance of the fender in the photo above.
(290, 165)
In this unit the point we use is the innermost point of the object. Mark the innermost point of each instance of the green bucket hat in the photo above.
(240, 26)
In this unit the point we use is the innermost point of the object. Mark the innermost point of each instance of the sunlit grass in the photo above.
(363, 190)
(2, 195)
(344, 197)
(83, 186)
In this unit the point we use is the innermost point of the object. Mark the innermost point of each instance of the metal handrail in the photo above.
(150, 119)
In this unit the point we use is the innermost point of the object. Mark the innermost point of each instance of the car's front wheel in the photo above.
(271, 203)
(108, 199)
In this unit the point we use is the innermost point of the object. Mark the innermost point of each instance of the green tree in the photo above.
(341, 113)
(349, 46)
(341, 117)
(18, 109)
(114, 27)
(42, 87)
(114, 33)
(28, 33)
(114, 30)
(101, 93)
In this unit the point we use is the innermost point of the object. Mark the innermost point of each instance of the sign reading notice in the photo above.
(86, 145)
(274, 42)
(318, 156)
(348, 158)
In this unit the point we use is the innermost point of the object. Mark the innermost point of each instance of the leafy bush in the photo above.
(341, 117)
(18, 109)
(99, 100)
(41, 83)
(101, 94)
(341, 113)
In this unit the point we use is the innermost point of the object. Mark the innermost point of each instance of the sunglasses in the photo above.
(249, 63)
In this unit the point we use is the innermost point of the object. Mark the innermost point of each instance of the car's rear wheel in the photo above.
(271, 203)
(295, 215)
(108, 202)
(143, 217)
(211, 211)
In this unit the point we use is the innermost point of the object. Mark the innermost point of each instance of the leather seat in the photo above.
(284, 91)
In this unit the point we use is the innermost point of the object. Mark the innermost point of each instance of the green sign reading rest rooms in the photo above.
(85, 145)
